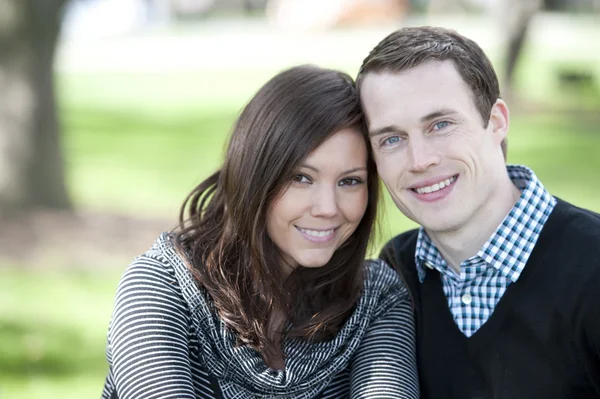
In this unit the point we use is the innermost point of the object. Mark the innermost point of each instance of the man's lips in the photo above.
(433, 185)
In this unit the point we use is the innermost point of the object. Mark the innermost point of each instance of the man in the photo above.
(505, 278)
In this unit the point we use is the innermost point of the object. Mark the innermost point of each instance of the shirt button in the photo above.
(467, 299)
(429, 265)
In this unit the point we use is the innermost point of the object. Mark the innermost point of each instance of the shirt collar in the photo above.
(510, 246)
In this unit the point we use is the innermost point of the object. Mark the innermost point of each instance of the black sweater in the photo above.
(543, 338)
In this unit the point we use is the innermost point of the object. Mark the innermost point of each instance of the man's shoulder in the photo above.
(569, 246)
(403, 242)
(587, 214)
(576, 251)
(400, 250)
(576, 225)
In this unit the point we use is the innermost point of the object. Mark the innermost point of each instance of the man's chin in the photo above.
(439, 226)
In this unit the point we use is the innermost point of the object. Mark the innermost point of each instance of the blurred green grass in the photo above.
(138, 143)
(52, 332)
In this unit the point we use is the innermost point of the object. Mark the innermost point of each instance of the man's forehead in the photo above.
(413, 94)
(430, 73)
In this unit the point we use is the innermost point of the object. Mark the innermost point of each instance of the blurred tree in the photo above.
(514, 17)
(515, 20)
(31, 166)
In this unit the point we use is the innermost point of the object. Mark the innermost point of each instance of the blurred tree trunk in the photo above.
(31, 168)
(515, 21)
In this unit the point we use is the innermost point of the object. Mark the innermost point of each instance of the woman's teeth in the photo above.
(317, 233)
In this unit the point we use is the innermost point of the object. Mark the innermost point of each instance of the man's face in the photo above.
(439, 163)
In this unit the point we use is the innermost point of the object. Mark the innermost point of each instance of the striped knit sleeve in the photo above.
(385, 363)
(148, 335)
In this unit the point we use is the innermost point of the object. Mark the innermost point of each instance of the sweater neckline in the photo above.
(310, 367)
(432, 287)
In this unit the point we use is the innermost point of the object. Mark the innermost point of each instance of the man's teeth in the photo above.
(317, 233)
(435, 187)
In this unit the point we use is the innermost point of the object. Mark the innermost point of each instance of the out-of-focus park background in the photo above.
(111, 111)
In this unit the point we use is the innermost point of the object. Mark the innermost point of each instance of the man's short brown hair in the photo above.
(412, 46)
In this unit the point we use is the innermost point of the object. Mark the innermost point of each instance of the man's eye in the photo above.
(391, 140)
(441, 125)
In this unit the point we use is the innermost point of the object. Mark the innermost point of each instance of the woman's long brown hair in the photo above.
(223, 221)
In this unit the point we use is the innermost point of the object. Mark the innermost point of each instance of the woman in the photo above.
(262, 291)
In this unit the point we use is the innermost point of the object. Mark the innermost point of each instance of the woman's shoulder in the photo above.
(383, 285)
(160, 262)
(379, 275)
(154, 258)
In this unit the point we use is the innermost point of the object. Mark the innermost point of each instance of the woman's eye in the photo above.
(350, 181)
(441, 125)
(301, 179)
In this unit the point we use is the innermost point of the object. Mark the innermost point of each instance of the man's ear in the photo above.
(499, 120)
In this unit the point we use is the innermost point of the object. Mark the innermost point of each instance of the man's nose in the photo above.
(422, 155)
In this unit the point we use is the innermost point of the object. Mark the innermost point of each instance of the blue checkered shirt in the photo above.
(473, 295)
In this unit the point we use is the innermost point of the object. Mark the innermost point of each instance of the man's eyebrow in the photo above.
(385, 129)
(426, 118)
(437, 113)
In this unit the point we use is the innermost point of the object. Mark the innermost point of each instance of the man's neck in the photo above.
(456, 246)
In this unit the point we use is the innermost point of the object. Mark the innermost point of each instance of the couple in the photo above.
(263, 290)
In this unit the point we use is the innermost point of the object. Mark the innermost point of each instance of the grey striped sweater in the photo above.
(165, 341)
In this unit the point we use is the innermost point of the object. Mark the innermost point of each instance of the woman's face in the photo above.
(324, 203)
